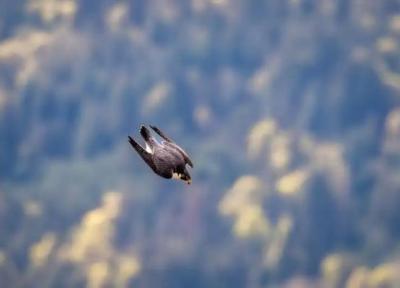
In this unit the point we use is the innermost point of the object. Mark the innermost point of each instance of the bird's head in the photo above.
(184, 176)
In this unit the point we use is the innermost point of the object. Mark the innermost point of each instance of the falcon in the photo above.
(165, 158)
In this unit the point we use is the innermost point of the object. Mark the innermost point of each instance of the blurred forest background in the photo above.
(289, 109)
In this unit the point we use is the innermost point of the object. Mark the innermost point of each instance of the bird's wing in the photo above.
(162, 135)
(171, 143)
(165, 162)
(146, 156)
(181, 151)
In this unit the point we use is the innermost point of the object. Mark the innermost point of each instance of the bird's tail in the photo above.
(145, 133)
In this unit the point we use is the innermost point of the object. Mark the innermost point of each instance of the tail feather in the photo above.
(145, 133)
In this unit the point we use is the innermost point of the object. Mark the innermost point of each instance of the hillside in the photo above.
(289, 109)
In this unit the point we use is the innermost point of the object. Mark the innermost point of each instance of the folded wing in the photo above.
(171, 143)
(146, 156)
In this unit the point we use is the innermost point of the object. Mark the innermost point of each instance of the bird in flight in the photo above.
(165, 158)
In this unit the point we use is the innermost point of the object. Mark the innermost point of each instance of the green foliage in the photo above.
(289, 109)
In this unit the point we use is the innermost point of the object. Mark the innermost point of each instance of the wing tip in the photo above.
(155, 129)
(131, 141)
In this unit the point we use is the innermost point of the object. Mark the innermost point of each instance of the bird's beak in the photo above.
(189, 182)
